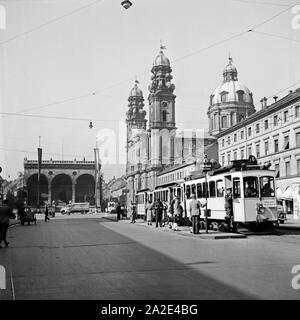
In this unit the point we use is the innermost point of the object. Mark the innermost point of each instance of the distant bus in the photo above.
(83, 207)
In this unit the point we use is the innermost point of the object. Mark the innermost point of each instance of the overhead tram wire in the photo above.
(262, 3)
(95, 92)
(51, 21)
(275, 36)
(99, 120)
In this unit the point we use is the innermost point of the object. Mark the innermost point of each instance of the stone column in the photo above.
(73, 191)
(49, 192)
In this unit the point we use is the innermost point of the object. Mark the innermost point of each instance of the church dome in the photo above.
(161, 60)
(231, 90)
(136, 91)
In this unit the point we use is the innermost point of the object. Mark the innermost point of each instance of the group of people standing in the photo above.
(164, 213)
(172, 214)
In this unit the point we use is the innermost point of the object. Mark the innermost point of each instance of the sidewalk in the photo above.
(290, 223)
(183, 230)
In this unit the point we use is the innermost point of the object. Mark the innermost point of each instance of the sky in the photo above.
(79, 59)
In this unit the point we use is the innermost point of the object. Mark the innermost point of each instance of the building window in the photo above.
(234, 137)
(297, 111)
(224, 122)
(286, 142)
(223, 142)
(242, 135)
(276, 145)
(241, 118)
(164, 116)
(228, 140)
(224, 97)
(298, 139)
(249, 151)
(287, 168)
(275, 120)
(266, 147)
(242, 154)
(257, 151)
(277, 171)
(228, 158)
(266, 124)
(223, 161)
(257, 128)
(235, 155)
(232, 119)
(286, 116)
(249, 132)
(298, 166)
(240, 96)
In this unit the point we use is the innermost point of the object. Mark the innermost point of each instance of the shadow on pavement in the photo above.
(82, 259)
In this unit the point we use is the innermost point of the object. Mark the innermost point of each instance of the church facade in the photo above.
(154, 144)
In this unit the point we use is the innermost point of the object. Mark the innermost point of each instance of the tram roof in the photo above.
(143, 190)
(170, 184)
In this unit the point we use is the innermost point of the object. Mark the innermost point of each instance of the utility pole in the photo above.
(39, 172)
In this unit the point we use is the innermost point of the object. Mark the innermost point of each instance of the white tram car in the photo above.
(253, 192)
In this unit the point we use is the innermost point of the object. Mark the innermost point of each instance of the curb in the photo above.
(185, 233)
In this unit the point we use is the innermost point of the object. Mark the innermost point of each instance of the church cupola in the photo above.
(136, 113)
(230, 72)
(230, 103)
(161, 97)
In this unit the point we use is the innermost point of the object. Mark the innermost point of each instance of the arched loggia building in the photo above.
(85, 189)
(63, 181)
(32, 188)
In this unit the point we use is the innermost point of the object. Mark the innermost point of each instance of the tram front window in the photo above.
(236, 188)
(251, 187)
(267, 187)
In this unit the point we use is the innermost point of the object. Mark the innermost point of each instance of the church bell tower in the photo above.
(162, 112)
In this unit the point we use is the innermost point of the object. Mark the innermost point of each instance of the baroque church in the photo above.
(155, 144)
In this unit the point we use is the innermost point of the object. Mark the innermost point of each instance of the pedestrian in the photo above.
(178, 211)
(158, 213)
(118, 211)
(229, 211)
(5, 214)
(194, 209)
(133, 212)
(149, 209)
(165, 213)
(171, 213)
(46, 214)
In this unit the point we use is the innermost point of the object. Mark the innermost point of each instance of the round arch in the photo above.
(61, 186)
(85, 189)
(32, 187)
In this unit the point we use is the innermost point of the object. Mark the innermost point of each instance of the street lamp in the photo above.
(126, 4)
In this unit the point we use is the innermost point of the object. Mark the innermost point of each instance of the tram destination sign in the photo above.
(206, 166)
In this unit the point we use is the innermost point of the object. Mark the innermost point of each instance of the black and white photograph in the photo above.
(149, 154)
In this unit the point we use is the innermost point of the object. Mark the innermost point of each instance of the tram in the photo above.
(252, 187)
(143, 197)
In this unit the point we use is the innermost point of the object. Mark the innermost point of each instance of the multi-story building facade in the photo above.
(272, 135)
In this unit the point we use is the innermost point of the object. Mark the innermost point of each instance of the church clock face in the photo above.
(164, 104)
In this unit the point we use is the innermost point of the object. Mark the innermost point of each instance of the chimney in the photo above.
(275, 98)
(263, 102)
